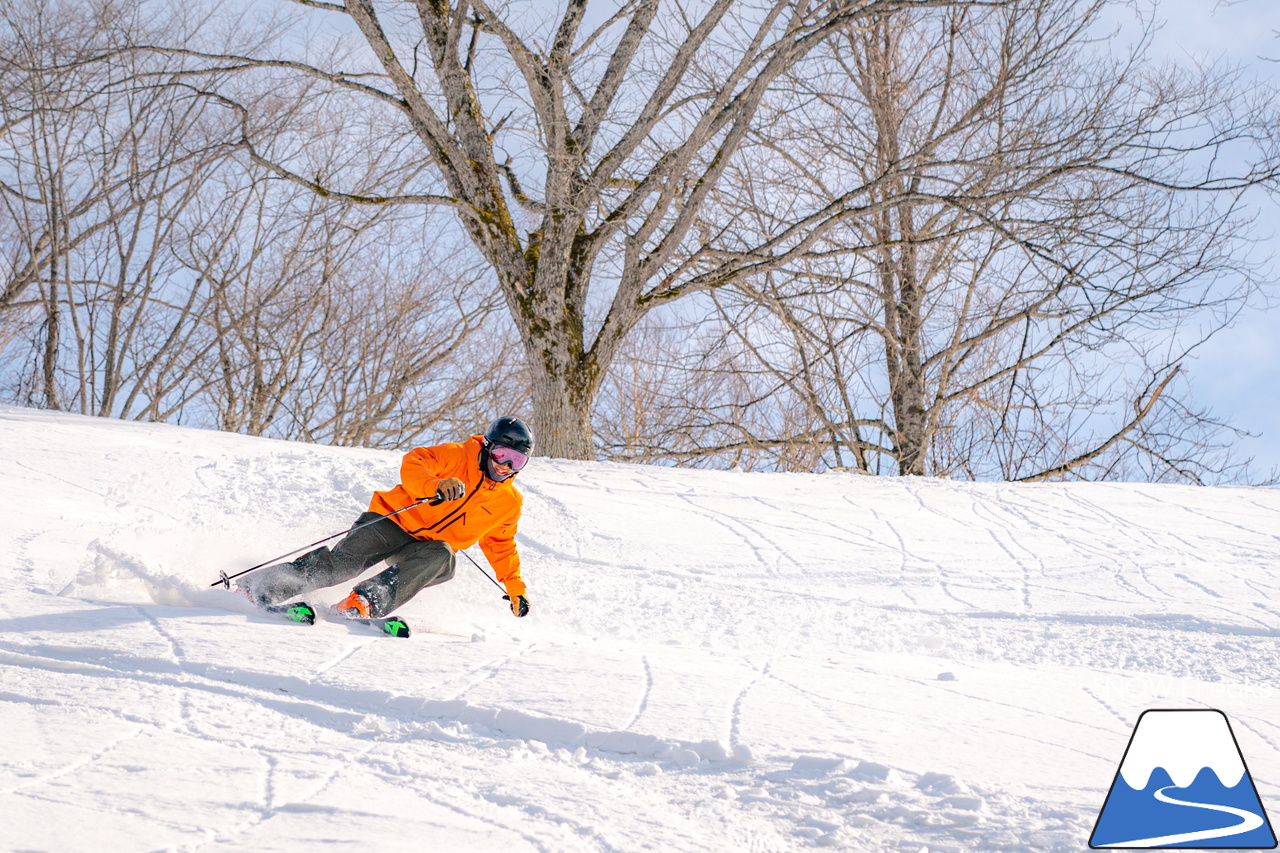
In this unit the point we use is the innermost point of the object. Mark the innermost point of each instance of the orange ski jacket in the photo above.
(487, 514)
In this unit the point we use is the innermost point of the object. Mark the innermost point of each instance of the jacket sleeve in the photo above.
(423, 468)
(499, 547)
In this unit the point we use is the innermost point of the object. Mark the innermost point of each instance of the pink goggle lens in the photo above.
(503, 455)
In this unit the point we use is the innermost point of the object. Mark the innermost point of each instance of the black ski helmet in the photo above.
(510, 432)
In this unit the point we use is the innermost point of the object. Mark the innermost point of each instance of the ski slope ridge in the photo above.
(714, 660)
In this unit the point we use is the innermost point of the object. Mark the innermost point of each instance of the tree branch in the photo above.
(1141, 412)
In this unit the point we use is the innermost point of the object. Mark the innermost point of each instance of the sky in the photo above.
(1237, 373)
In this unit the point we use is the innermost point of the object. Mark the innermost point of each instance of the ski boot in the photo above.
(354, 606)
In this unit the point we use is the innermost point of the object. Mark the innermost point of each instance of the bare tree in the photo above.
(580, 149)
(329, 323)
(97, 162)
(155, 272)
(685, 390)
(1039, 228)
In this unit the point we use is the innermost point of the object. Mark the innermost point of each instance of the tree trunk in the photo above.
(561, 419)
(51, 340)
(907, 392)
(52, 328)
(564, 378)
(900, 284)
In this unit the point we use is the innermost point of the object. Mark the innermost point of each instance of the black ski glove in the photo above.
(519, 605)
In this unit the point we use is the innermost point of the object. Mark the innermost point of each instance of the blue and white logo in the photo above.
(1183, 783)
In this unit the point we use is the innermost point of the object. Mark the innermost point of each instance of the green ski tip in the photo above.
(301, 613)
(396, 627)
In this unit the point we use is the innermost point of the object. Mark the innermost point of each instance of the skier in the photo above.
(475, 499)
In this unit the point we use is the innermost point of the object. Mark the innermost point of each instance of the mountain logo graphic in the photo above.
(1183, 783)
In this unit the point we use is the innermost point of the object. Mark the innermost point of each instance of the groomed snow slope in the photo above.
(714, 660)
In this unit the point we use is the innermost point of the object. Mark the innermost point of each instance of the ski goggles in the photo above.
(503, 455)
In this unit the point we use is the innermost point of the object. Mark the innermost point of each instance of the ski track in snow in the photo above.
(744, 535)
(715, 660)
(902, 555)
(175, 648)
(735, 741)
(644, 695)
(1193, 510)
(488, 671)
(343, 657)
(71, 768)
(20, 548)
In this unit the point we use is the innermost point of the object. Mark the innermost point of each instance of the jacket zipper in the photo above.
(471, 493)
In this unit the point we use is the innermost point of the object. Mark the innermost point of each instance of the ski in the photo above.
(299, 611)
(392, 626)
(305, 614)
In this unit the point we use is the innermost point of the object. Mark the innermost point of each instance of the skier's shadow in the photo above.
(107, 615)
(100, 618)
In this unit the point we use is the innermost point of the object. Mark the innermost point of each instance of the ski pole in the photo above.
(225, 579)
(491, 580)
(483, 572)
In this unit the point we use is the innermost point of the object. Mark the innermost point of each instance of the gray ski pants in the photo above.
(412, 566)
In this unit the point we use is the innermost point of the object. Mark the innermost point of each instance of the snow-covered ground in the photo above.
(714, 660)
